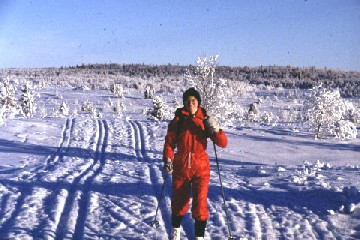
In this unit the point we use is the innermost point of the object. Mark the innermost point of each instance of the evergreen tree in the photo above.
(8, 105)
(160, 109)
(64, 109)
(27, 100)
(149, 92)
(117, 90)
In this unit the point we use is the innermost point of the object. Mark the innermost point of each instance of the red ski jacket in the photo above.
(187, 133)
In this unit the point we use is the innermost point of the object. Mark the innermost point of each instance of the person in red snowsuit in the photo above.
(190, 165)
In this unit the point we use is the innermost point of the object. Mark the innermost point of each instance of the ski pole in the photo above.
(155, 223)
(223, 195)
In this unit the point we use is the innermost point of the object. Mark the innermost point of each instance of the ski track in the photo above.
(155, 175)
(25, 190)
(72, 221)
(64, 145)
(53, 200)
(60, 199)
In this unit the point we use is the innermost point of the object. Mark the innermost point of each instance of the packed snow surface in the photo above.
(84, 177)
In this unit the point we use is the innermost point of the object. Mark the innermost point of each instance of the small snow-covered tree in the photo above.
(176, 103)
(117, 90)
(149, 92)
(64, 109)
(253, 108)
(8, 103)
(345, 130)
(215, 92)
(160, 109)
(41, 110)
(27, 100)
(268, 117)
(325, 112)
(206, 83)
(118, 108)
(7, 94)
(188, 79)
(87, 106)
(236, 116)
(352, 113)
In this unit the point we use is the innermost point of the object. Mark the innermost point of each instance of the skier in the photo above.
(190, 166)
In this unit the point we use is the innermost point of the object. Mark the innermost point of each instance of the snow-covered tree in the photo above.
(215, 92)
(235, 114)
(206, 83)
(345, 130)
(27, 100)
(117, 90)
(325, 112)
(176, 104)
(253, 108)
(118, 108)
(64, 109)
(160, 109)
(267, 117)
(87, 106)
(352, 113)
(149, 92)
(8, 103)
(41, 110)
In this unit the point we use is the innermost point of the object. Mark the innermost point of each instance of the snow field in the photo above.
(100, 178)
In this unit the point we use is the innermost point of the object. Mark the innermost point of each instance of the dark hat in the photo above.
(191, 92)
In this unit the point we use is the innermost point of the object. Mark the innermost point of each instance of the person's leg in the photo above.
(176, 221)
(179, 204)
(200, 211)
(200, 228)
(180, 197)
(200, 189)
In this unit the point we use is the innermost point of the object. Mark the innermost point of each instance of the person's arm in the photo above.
(219, 138)
(170, 141)
(216, 134)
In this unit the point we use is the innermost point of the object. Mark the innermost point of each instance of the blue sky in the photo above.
(302, 33)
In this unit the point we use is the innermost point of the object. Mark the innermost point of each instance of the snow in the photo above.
(86, 177)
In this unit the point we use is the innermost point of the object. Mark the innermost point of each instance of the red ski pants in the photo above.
(182, 189)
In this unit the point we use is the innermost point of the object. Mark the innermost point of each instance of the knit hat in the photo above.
(191, 92)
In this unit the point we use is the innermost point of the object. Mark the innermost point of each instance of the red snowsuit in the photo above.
(191, 163)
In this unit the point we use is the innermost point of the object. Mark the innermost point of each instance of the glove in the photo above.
(168, 166)
(211, 124)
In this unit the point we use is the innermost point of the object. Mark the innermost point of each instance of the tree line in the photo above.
(348, 82)
(289, 77)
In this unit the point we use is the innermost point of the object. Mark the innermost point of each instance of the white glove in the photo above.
(211, 124)
(168, 166)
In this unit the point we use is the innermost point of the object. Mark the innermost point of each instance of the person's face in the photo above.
(191, 104)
